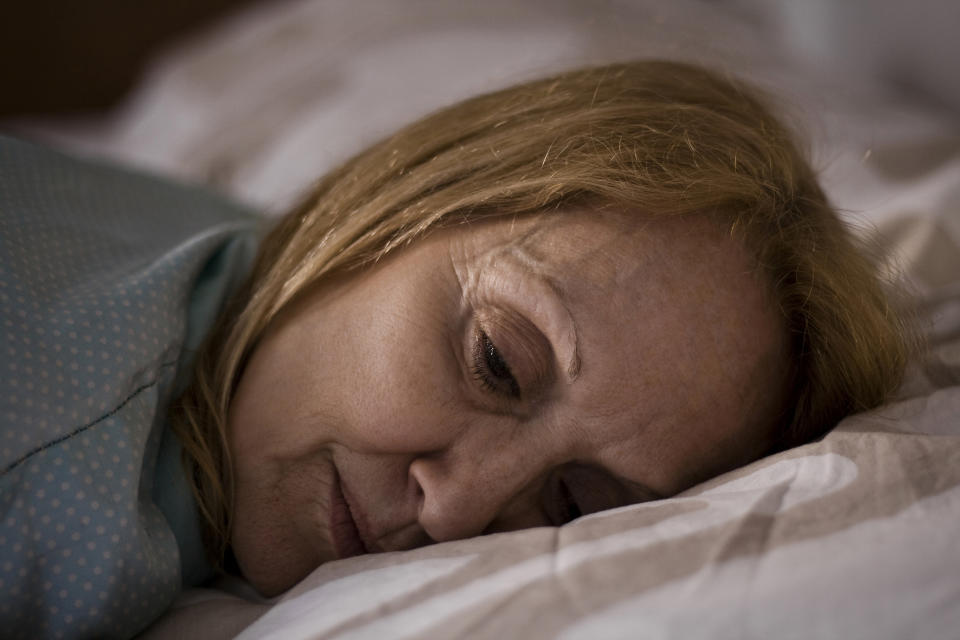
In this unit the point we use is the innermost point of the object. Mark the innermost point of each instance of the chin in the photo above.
(271, 576)
(274, 563)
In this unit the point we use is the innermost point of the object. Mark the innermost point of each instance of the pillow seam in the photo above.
(93, 423)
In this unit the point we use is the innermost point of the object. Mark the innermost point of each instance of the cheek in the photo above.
(405, 391)
(637, 365)
(379, 360)
(276, 410)
(370, 366)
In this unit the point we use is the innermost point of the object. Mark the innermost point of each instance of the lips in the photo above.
(343, 528)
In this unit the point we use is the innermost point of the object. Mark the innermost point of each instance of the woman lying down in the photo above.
(580, 293)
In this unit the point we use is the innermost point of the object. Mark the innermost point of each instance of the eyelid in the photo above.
(648, 493)
(571, 506)
(485, 370)
(596, 489)
(530, 290)
(556, 492)
(525, 349)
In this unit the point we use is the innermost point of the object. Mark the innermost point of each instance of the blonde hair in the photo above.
(660, 137)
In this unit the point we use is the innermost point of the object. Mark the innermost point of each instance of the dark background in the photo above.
(83, 55)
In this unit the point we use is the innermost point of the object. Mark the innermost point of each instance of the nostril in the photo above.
(420, 499)
(415, 486)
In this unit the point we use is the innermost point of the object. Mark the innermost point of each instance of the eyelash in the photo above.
(490, 369)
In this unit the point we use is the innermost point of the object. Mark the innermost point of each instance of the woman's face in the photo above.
(502, 375)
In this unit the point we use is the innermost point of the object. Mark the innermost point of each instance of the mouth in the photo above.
(343, 527)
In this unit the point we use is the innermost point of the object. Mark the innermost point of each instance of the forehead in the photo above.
(622, 252)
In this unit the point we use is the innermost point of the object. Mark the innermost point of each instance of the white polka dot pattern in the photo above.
(97, 267)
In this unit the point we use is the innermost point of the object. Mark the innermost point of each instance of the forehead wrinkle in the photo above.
(591, 254)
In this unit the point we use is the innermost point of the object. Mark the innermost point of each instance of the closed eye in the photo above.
(490, 369)
(580, 489)
(569, 508)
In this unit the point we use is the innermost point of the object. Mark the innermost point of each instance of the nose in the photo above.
(473, 488)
